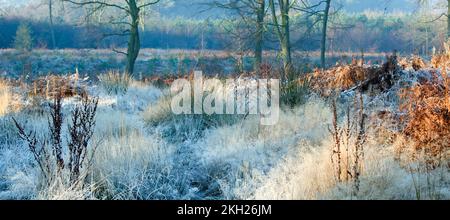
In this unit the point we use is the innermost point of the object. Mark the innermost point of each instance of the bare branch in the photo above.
(148, 4)
(99, 3)
(119, 52)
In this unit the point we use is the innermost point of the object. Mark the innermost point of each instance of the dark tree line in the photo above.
(92, 36)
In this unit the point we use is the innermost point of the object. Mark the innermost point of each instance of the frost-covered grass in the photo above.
(292, 160)
(129, 164)
(307, 122)
(19, 177)
(308, 174)
(143, 151)
(179, 128)
(248, 157)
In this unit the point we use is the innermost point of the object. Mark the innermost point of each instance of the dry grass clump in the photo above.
(305, 174)
(427, 111)
(134, 166)
(179, 128)
(130, 163)
(115, 82)
(5, 97)
(10, 100)
(296, 90)
(311, 171)
(427, 108)
(341, 77)
(158, 112)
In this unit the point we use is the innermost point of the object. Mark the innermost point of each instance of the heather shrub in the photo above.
(295, 92)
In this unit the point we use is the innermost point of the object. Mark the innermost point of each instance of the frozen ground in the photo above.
(145, 152)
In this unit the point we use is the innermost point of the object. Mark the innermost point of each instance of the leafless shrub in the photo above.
(336, 133)
(359, 144)
(348, 164)
(49, 153)
(55, 124)
(81, 131)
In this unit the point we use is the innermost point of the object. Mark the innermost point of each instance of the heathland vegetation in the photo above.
(364, 102)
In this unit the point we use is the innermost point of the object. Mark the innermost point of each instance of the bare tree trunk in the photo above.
(52, 29)
(283, 32)
(134, 43)
(286, 41)
(132, 9)
(323, 46)
(259, 35)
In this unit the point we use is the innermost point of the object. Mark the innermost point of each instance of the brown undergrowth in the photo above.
(51, 86)
(353, 76)
(427, 111)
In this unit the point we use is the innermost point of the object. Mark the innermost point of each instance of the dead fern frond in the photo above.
(427, 116)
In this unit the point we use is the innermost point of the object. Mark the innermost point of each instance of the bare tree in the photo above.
(259, 38)
(448, 19)
(52, 27)
(283, 31)
(316, 9)
(252, 13)
(422, 2)
(323, 43)
(130, 14)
